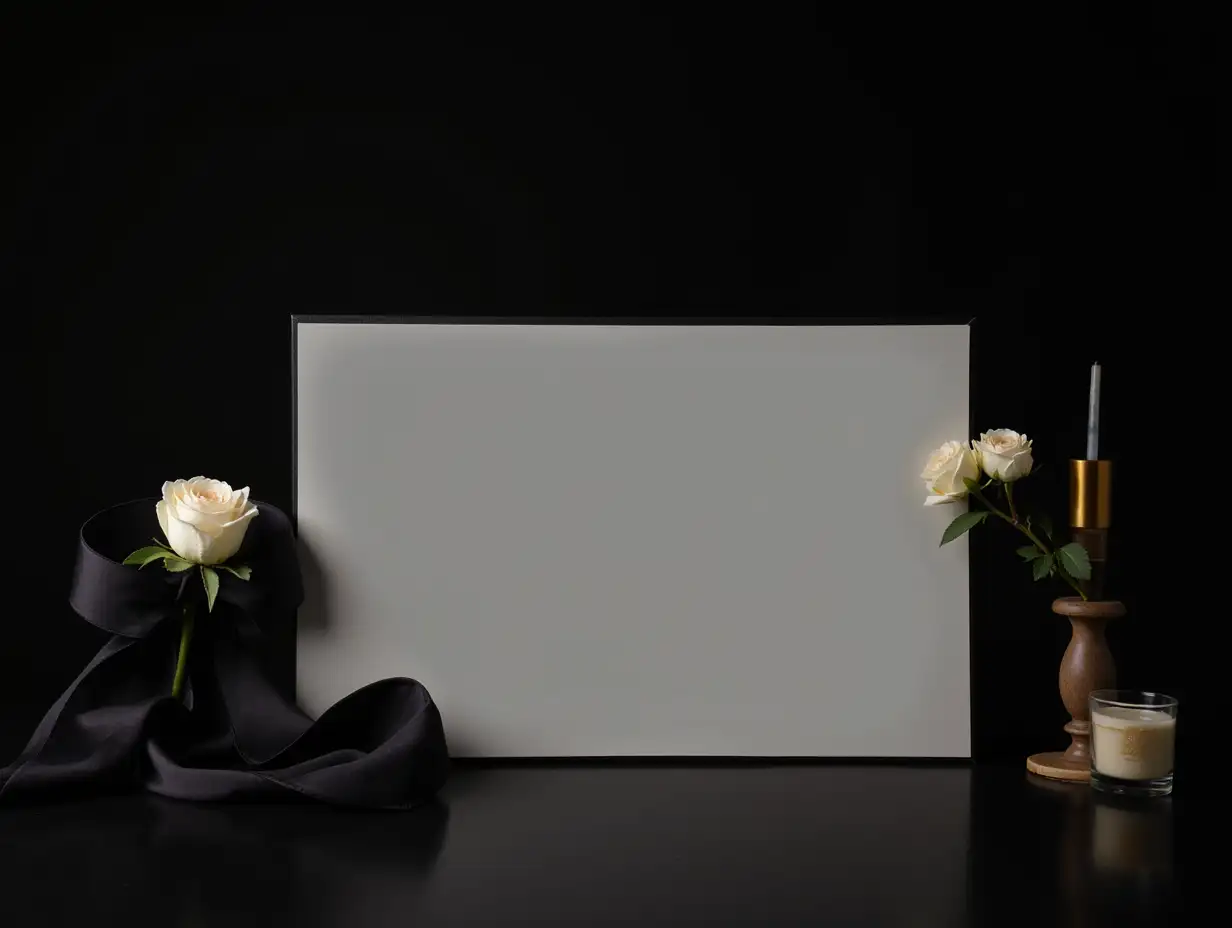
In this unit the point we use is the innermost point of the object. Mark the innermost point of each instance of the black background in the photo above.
(175, 188)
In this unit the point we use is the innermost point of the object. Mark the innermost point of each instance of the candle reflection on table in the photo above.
(1131, 838)
(1112, 853)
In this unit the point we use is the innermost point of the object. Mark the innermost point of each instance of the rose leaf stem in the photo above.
(1026, 531)
(181, 661)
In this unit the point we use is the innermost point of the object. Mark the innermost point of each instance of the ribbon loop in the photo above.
(116, 725)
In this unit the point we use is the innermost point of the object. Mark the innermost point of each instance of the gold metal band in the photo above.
(1090, 494)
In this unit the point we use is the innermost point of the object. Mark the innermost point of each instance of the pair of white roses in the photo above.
(953, 473)
(1002, 454)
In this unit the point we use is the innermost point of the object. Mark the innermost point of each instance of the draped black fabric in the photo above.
(234, 737)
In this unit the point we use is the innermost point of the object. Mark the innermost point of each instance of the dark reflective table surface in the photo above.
(616, 845)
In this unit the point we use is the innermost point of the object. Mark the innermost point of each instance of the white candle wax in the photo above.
(1093, 415)
(1132, 744)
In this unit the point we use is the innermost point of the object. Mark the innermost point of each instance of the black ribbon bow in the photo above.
(116, 725)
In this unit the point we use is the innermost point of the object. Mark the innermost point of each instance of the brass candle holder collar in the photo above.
(1087, 664)
(1090, 516)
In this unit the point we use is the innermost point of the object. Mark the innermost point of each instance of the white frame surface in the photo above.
(621, 539)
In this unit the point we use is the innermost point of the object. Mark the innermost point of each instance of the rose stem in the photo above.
(181, 661)
(1009, 498)
(1030, 534)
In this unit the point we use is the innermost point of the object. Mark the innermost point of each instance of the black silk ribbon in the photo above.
(234, 737)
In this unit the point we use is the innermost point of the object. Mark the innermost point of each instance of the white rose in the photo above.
(204, 520)
(946, 470)
(1004, 454)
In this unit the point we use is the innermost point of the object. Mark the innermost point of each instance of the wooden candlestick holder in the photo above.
(1087, 665)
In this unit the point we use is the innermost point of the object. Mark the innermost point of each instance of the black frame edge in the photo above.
(972, 330)
(708, 760)
(659, 320)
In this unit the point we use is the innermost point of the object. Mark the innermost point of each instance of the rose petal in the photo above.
(230, 538)
(187, 542)
(248, 514)
(208, 495)
(209, 522)
(160, 509)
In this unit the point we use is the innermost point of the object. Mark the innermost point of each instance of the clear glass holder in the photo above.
(1133, 742)
(1159, 786)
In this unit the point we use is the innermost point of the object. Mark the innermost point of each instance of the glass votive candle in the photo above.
(1133, 740)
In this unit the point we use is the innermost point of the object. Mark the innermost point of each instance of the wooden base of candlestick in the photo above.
(1087, 665)
(1056, 766)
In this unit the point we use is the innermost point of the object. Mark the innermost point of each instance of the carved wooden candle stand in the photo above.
(1087, 665)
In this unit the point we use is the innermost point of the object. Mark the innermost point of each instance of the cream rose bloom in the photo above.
(1004, 454)
(204, 520)
(945, 472)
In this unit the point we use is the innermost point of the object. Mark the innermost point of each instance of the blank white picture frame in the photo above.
(614, 540)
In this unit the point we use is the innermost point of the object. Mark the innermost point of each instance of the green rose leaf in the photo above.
(177, 564)
(143, 556)
(1041, 567)
(209, 577)
(1045, 525)
(1029, 552)
(1075, 561)
(243, 571)
(963, 524)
